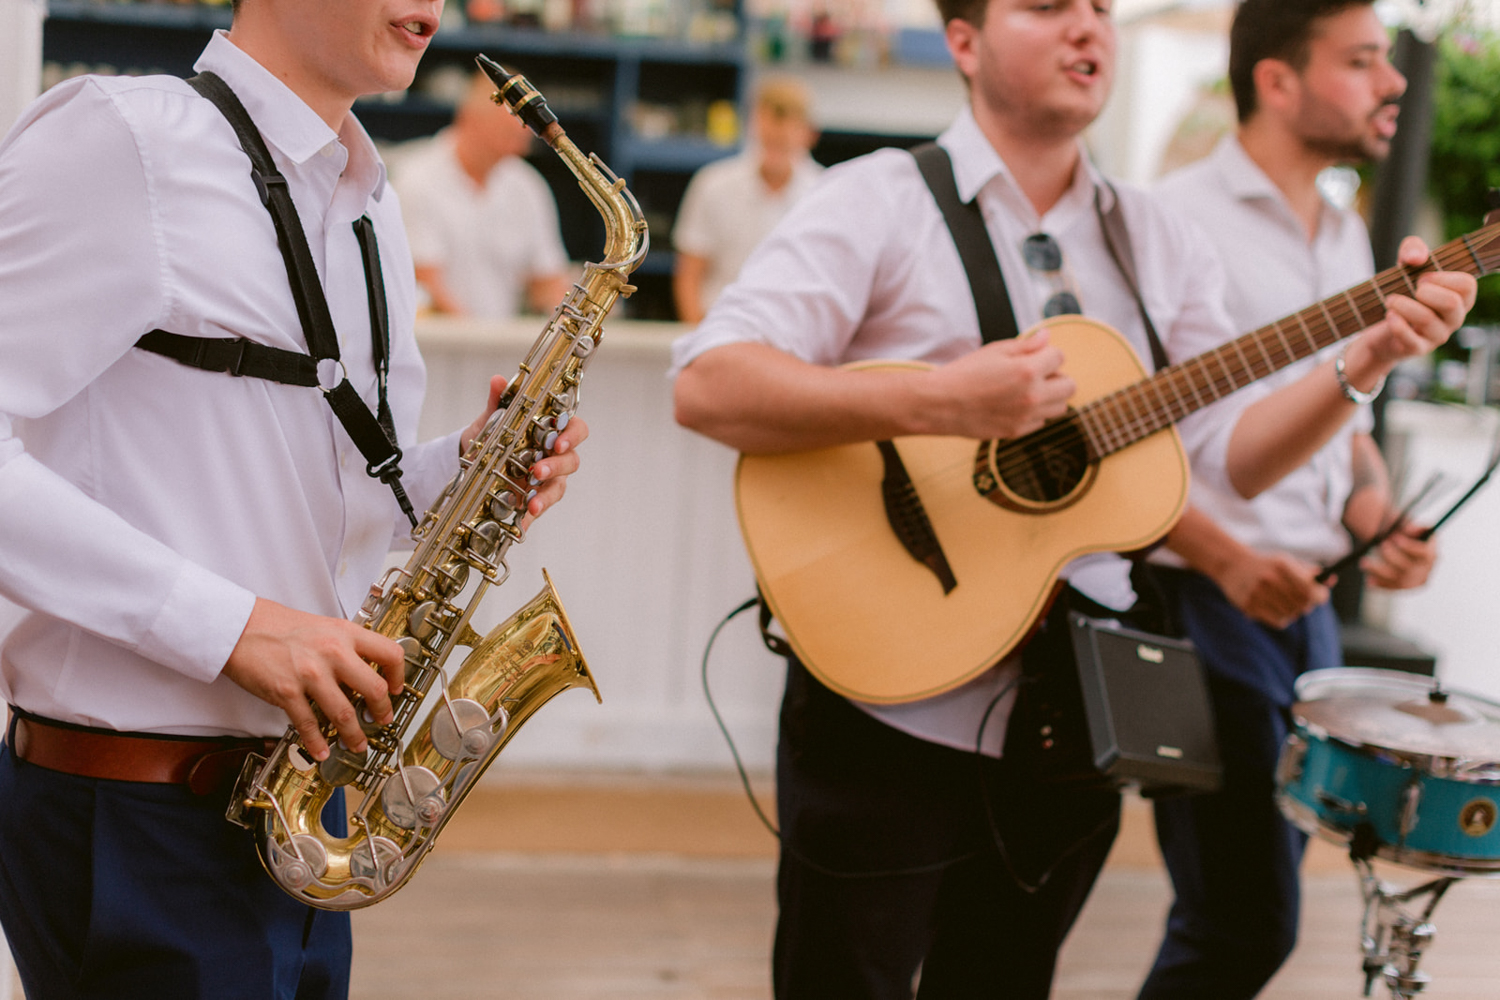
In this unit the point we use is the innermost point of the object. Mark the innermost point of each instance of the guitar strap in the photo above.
(373, 433)
(997, 318)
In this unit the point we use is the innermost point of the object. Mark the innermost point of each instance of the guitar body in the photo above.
(872, 622)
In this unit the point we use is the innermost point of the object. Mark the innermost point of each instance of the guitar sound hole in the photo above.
(1045, 467)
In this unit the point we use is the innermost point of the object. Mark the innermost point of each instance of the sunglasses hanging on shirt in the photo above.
(1043, 255)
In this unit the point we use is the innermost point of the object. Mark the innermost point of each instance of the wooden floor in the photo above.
(563, 887)
(586, 889)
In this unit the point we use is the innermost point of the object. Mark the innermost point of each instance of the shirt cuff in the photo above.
(199, 624)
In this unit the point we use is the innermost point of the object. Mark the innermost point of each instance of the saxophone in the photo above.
(414, 778)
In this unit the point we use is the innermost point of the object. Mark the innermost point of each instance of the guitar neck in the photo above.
(1129, 414)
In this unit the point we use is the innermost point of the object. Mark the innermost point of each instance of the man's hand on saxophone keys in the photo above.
(552, 472)
(293, 660)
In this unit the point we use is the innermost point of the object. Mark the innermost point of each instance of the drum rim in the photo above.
(1439, 765)
(1310, 822)
(1434, 765)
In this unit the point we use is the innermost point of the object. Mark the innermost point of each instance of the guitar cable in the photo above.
(755, 803)
(989, 811)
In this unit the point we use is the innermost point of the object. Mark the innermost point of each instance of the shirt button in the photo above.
(329, 149)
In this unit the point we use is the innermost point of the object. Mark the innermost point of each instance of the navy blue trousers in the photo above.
(898, 855)
(1232, 857)
(113, 890)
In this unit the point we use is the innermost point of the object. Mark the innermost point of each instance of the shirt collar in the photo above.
(976, 164)
(1245, 180)
(285, 121)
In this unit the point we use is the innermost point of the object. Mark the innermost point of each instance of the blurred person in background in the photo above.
(1313, 87)
(731, 204)
(481, 221)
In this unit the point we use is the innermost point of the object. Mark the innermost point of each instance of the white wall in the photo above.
(1454, 616)
(1160, 72)
(20, 56)
(645, 553)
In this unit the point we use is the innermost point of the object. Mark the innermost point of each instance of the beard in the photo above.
(1330, 133)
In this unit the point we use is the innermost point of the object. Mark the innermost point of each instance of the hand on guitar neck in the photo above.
(1281, 432)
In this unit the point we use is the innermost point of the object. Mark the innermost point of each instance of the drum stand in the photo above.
(1393, 934)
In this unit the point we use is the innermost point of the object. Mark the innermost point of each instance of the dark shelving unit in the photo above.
(601, 87)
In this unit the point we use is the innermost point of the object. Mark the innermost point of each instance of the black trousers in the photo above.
(900, 855)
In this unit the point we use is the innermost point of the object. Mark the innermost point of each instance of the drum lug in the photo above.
(1289, 765)
(1411, 799)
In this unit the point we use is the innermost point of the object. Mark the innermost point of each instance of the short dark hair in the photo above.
(972, 11)
(1273, 29)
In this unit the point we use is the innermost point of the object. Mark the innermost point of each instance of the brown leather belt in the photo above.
(202, 765)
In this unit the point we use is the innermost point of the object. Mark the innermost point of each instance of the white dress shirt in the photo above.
(1274, 270)
(143, 503)
(728, 209)
(489, 241)
(865, 268)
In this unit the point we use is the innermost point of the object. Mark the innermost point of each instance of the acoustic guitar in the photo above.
(901, 569)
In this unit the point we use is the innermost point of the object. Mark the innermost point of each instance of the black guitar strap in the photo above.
(997, 319)
(373, 433)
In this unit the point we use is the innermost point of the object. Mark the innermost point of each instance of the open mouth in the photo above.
(1084, 67)
(418, 27)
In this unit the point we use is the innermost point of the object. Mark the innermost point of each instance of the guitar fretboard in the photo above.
(1143, 408)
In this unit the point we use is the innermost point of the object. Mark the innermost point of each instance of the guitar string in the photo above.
(1101, 421)
(1103, 427)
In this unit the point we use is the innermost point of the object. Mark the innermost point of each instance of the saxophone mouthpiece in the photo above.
(515, 91)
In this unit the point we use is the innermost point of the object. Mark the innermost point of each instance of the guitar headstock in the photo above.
(1484, 243)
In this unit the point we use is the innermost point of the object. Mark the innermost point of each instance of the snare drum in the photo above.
(1386, 762)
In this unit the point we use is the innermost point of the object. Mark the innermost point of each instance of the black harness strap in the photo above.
(997, 320)
(373, 435)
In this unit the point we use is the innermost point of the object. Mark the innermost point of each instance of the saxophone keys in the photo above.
(373, 859)
(411, 796)
(427, 619)
(416, 657)
(483, 538)
(462, 729)
(343, 765)
(451, 577)
(298, 864)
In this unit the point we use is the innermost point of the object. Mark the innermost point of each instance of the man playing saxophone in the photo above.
(189, 545)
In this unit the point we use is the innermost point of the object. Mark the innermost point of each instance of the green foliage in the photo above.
(1465, 160)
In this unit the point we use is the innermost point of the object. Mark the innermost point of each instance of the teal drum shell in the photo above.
(1388, 763)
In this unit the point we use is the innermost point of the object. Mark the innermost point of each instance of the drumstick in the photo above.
(1361, 550)
(1427, 533)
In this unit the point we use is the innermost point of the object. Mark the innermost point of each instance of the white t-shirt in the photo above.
(489, 241)
(728, 209)
(1273, 271)
(865, 268)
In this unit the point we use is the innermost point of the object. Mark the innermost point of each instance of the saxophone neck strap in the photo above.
(372, 433)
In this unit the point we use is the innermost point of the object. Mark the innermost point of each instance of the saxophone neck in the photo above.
(626, 239)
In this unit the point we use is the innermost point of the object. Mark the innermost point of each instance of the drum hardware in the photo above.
(1393, 936)
(1400, 770)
